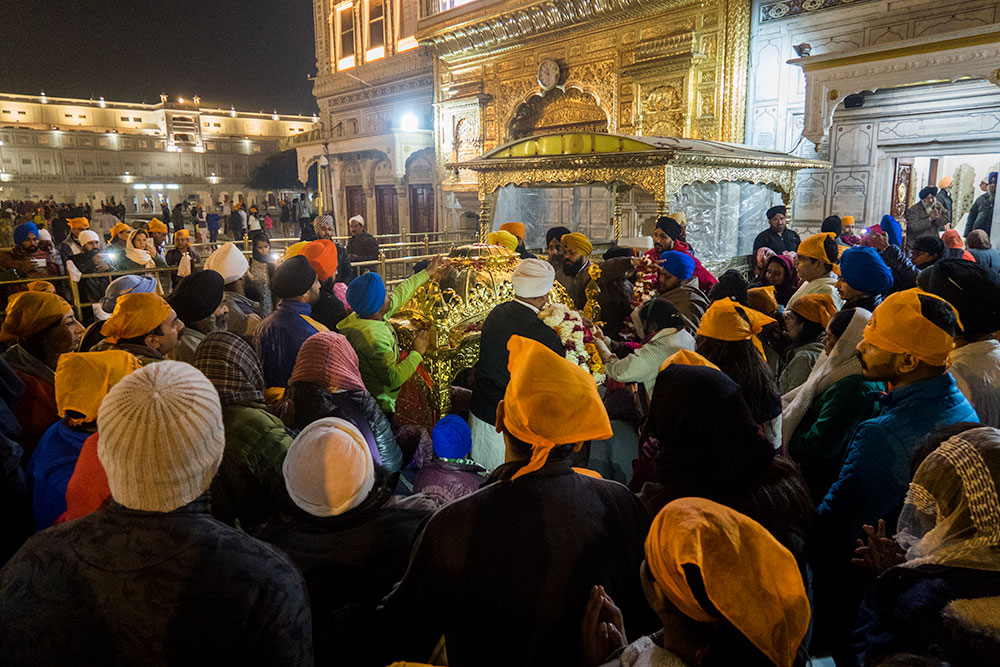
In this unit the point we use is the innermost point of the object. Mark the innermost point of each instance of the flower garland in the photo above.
(576, 338)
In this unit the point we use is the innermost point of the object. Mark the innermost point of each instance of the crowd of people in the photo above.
(232, 464)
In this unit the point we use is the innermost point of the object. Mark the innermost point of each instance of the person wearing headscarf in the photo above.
(676, 283)
(819, 416)
(262, 267)
(346, 532)
(779, 272)
(761, 257)
(576, 249)
(531, 541)
(104, 306)
(927, 217)
(245, 314)
(981, 213)
(220, 595)
(25, 259)
(518, 230)
(504, 239)
(816, 266)
(373, 337)
(668, 236)
(532, 281)
(449, 474)
(197, 300)
(39, 328)
(72, 245)
(975, 364)
(143, 324)
(908, 344)
(954, 246)
(864, 278)
(940, 584)
(944, 194)
(322, 255)
(182, 248)
(805, 324)
(326, 382)
(553, 246)
(82, 382)
(362, 246)
(982, 250)
(778, 237)
(249, 486)
(139, 252)
(158, 232)
(726, 591)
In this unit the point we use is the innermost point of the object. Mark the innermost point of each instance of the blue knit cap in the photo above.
(678, 264)
(452, 438)
(366, 294)
(862, 268)
(131, 284)
(892, 230)
(21, 232)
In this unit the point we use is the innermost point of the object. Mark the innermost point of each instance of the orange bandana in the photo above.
(79, 223)
(84, 378)
(899, 326)
(135, 315)
(119, 229)
(156, 226)
(29, 313)
(814, 248)
(727, 320)
(181, 234)
(687, 358)
(515, 228)
(550, 402)
(816, 308)
(763, 299)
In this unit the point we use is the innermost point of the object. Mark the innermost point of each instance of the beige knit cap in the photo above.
(161, 436)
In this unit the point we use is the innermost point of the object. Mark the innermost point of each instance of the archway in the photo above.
(570, 110)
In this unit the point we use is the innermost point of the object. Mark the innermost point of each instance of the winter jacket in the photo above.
(50, 469)
(444, 481)
(988, 258)
(690, 301)
(250, 486)
(377, 347)
(362, 248)
(919, 223)
(981, 214)
(36, 409)
(305, 402)
(867, 301)
(15, 520)
(279, 337)
(328, 311)
(91, 289)
(124, 587)
(787, 242)
(643, 365)
(800, 363)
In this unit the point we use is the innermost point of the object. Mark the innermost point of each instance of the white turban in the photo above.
(328, 468)
(358, 219)
(533, 278)
(44, 235)
(86, 236)
(228, 262)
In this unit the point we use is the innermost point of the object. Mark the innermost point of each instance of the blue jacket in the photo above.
(50, 468)
(279, 337)
(876, 471)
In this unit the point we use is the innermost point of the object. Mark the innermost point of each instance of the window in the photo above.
(123, 119)
(67, 115)
(6, 110)
(22, 113)
(376, 30)
(406, 25)
(216, 124)
(345, 35)
(136, 120)
(81, 116)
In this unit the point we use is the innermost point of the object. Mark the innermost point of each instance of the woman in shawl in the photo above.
(261, 271)
(780, 272)
(139, 253)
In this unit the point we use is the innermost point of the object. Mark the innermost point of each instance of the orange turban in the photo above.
(135, 315)
(156, 226)
(818, 308)
(515, 228)
(503, 238)
(29, 313)
(814, 247)
(748, 576)
(84, 378)
(549, 402)
(578, 243)
(952, 239)
(119, 229)
(322, 256)
(898, 326)
(41, 286)
(295, 249)
(847, 220)
(181, 234)
(687, 358)
(945, 182)
(727, 320)
(79, 223)
(763, 299)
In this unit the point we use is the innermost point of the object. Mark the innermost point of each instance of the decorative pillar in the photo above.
(368, 183)
(484, 216)
(403, 206)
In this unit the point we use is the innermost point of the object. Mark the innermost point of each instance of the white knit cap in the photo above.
(357, 218)
(161, 436)
(86, 236)
(533, 278)
(328, 468)
(228, 262)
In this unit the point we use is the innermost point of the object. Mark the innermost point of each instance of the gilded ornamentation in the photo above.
(680, 175)
(775, 10)
(663, 112)
(736, 60)
(558, 111)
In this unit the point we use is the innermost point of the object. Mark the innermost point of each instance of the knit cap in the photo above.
(86, 236)
(161, 437)
(328, 469)
(328, 359)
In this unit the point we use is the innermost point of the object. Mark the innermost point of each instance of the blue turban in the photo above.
(366, 294)
(862, 268)
(452, 438)
(21, 232)
(992, 178)
(678, 264)
(892, 230)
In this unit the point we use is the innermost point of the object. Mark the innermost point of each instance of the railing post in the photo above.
(381, 264)
(427, 244)
(74, 290)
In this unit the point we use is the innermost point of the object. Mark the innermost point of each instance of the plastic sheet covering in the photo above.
(583, 208)
(724, 218)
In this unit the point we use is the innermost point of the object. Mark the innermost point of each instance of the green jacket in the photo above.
(249, 485)
(378, 350)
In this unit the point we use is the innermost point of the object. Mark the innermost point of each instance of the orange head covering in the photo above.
(29, 313)
(578, 243)
(295, 249)
(119, 229)
(763, 299)
(503, 238)
(727, 320)
(322, 256)
(135, 315)
(515, 228)
(156, 226)
(84, 378)
(549, 402)
(79, 223)
(818, 308)
(687, 358)
(847, 220)
(41, 286)
(749, 577)
(822, 247)
(945, 182)
(899, 326)
(181, 234)
(952, 239)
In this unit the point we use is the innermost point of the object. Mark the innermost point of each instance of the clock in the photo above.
(548, 74)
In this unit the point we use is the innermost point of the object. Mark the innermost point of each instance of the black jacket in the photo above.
(91, 289)
(904, 272)
(328, 311)
(787, 242)
(506, 320)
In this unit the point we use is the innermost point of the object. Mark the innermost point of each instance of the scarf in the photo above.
(140, 257)
(232, 367)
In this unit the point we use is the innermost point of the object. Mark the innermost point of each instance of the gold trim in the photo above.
(737, 54)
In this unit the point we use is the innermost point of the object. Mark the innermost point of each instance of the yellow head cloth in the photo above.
(847, 220)
(814, 247)
(41, 286)
(680, 217)
(578, 243)
(763, 299)
(181, 234)
(135, 315)
(156, 226)
(727, 320)
(898, 326)
(818, 308)
(28, 313)
(750, 578)
(295, 249)
(79, 223)
(687, 358)
(549, 402)
(119, 229)
(515, 228)
(84, 378)
(502, 238)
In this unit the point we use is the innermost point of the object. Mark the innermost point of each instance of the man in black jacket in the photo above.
(532, 280)
(777, 236)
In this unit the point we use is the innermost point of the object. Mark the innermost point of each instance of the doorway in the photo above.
(421, 209)
(386, 209)
(968, 174)
(356, 202)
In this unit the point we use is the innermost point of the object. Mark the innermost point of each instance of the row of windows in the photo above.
(368, 17)
(19, 112)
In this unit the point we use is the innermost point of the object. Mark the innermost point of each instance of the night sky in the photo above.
(252, 54)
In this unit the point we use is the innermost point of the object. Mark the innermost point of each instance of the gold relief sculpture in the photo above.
(558, 111)
(663, 112)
